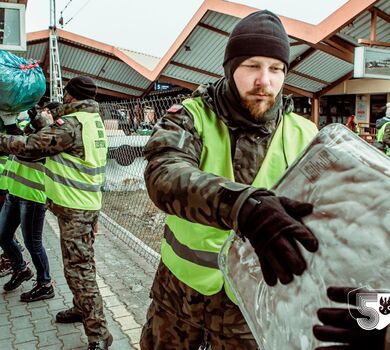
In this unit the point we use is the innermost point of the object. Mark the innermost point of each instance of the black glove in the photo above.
(13, 129)
(340, 327)
(272, 225)
(32, 113)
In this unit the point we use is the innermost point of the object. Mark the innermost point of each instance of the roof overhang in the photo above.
(319, 57)
(109, 66)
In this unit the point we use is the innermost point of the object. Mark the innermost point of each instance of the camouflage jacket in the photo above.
(64, 135)
(177, 185)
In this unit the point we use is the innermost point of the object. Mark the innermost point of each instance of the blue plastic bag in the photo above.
(22, 83)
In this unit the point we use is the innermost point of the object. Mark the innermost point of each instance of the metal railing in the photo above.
(127, 210)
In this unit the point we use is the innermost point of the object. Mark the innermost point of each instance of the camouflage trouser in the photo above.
(181, 318)
(79, 267)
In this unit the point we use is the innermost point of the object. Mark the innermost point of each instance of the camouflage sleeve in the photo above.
(386, 135)
(387, 339)
(176, 184)
(50, 140)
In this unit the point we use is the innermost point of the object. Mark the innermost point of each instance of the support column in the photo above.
(315, 110)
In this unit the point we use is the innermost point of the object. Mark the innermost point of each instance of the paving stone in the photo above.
(56, 304)
(127, 322)
(3, 309)
(121, 344)
(64, 329)
(40, 313)
(6, 345)
(18, 311)
(71, 341)
(134, 334)
(48, 338)
(4, 321)
(51, 347)
(44, 325)
(24, 336)
(106, 291)
(11, 298)
(27, 346)
(5, 332)
(20, 322)
(112, 301)
(34, 305)
(119, 311)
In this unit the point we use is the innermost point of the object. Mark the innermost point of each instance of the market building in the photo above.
(322, 60)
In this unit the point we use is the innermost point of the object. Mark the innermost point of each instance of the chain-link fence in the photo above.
(127, 210)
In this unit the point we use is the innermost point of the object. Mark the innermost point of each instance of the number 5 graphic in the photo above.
(371, 318)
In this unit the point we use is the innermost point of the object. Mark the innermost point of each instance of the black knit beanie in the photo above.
(259, 34)
(81, 88)
(52, 105)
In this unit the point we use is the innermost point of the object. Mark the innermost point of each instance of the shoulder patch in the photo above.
(59, 122)
(175, 109)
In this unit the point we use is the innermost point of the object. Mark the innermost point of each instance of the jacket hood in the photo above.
(382, 121)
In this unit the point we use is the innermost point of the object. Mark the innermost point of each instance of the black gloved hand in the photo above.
(32, 113)
(272, 225)
(340, 327)
(13, 129)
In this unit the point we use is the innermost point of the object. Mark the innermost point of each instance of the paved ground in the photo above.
(124, 279)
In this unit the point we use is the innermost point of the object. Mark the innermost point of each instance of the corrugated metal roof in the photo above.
(105, 85)
(197, 55)
(76, 58)
(303, 83)
(81, 60)
(324, 67)
(147, 61)
(36, 52)
(206, 51)
(297, 50)
(360, 28)
(187, 75)
(203, 50)
(221, 21)
(104, 67)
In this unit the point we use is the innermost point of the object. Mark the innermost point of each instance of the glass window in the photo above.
(377, 107)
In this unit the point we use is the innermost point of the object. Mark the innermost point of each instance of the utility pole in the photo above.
(56, 93)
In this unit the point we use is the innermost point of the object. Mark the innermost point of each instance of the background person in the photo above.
(5, 162)
(352, 125)
(383, 131)
(25, 206)
(76, 150)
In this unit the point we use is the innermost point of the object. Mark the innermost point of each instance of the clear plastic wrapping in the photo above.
(348, 182)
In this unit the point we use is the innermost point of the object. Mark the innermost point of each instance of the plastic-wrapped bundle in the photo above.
(348, 182)
(22, 83)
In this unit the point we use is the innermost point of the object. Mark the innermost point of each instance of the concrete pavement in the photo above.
(124, 280)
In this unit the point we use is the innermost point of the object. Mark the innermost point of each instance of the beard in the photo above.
(258, 107)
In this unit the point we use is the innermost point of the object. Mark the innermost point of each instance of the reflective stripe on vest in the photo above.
(26, 180)
(379, 137)
(207, 259)
(76, 183)
(190, 250)
(3, 172)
